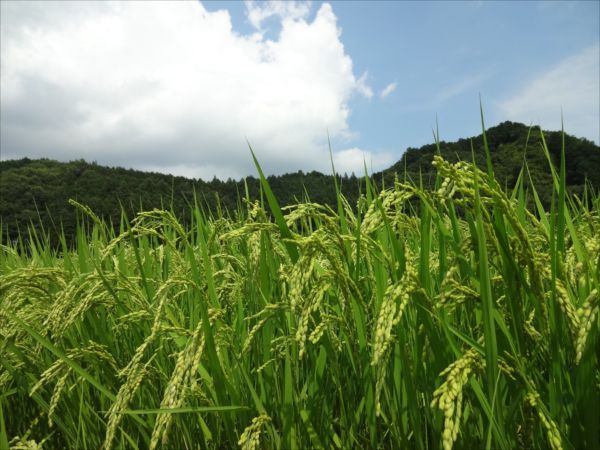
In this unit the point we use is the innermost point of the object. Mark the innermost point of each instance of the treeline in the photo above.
(511, 146)
(36, 192)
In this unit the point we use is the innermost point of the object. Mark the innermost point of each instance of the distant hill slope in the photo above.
(34, 190)
(510, 144)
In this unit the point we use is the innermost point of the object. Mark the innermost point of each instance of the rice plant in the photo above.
(453, 318)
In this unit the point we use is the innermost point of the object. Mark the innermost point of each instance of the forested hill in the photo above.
(38, 190)
(510, 145)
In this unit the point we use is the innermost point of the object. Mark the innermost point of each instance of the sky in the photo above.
(185, 87)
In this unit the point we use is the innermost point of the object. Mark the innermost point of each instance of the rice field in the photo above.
(454, 318)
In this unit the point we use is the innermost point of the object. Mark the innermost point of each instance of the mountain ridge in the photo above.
(38, 190)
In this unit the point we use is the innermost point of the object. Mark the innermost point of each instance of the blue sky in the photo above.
(442, 55)
(375, 74)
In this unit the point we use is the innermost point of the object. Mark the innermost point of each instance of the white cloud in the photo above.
(258, 12)
(388, 90)
(172, 87)
(573, 84)
(354, 160)
(362, 86)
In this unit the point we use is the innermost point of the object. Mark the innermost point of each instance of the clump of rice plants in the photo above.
(453, 318)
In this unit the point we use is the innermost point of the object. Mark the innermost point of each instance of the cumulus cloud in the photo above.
(388, 90)
(173, 87)
(573, 85)
(353, 160)
(258, 12)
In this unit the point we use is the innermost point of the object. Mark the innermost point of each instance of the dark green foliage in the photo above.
(510, 145)
(37, 191)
